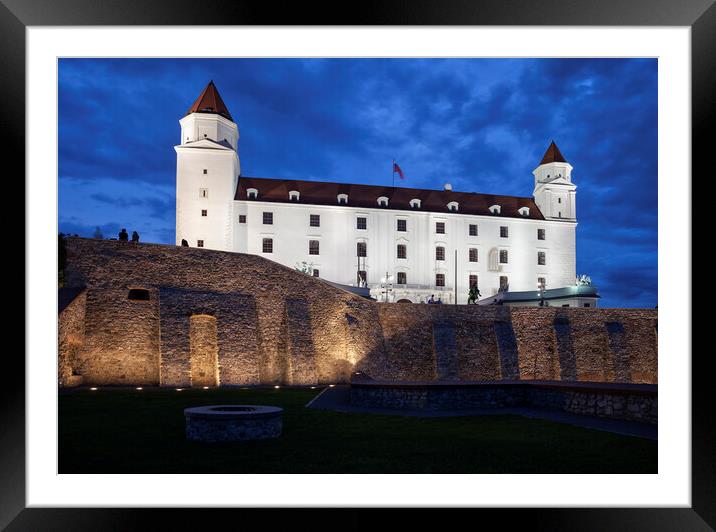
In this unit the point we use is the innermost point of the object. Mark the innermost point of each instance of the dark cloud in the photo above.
(481, 124)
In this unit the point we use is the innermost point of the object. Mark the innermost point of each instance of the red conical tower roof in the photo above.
(553, 155)
(209, 101)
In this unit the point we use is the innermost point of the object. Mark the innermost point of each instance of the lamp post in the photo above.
(386, 285)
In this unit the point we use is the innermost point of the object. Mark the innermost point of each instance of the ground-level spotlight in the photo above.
(139, 388)
(179, 389)
(205, 387)
(93, 389)
(277, 387)
(313, 387)
(331, 385)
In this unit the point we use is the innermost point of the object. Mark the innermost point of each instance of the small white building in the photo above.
(404, 244)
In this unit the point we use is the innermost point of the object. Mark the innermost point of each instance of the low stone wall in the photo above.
(274, 325)
(630, 402)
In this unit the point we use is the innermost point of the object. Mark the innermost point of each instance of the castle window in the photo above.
(472, 229)
(414, 203)
(361, 249)
(495, 209)
(541, 258)
(559, 200)
(205, 171)
(402, 225)
(252, 193)
(294, 195)
(361, 222)
(313, 247)
(541, 283)
(315, 273)
(342, 199)
(200, 243)
(473, 254)
(203, 212)
(267, 245)
(503, 256)
(203, 192)
(541, 234)
(361, 277)
(402, 251)
(587, 304)
(315, 220)
(268, 218)
(138, 294)
(504, 233)
(524, 211)
(402, 278)
(504, 283)
(473, 281)
(439, 253)
(453, 206)
(440, 228)
(559, 214)
(382, 201)
(439, 279)
(242, 218)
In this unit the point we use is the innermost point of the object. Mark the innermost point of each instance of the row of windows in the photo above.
(401, 251)
(402, 279)
(402, 226)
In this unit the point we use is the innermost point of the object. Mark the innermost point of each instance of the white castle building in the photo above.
(403, 244)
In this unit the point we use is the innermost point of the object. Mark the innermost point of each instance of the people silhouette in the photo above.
(135, 236)
(123, 235)
(184, 243)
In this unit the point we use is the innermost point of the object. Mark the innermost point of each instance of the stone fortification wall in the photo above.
(274, 325)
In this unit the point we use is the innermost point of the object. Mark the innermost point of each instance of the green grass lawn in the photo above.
(129, 431)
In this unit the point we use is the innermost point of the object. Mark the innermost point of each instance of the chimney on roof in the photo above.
(448, 186)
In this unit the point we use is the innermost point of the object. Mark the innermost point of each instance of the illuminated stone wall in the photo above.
(275, 325)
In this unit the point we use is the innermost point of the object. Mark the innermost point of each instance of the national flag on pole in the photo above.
(398, 170)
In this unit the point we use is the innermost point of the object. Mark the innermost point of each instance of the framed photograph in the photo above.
(359, 245)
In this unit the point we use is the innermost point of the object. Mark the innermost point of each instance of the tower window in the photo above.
(473, 281)
(361, 249)
(203, 192)
(559, 214)
(541, 234)
(440, 228)
(402, 278)
(315, 220)
(268, 218)
(541, 258)
(138, 294)
(242, 218)
(402, 225)
(362, 277)
(541, 283)
(559, 200)
(203, 212)
(503, 256)
(504, 233)
(472, 231)
(267, 245)
(402, 251)
(439, 253)
(205, 171)
(504, 283)
(313, 247)
(361, 222)
(473, 254)
(439, 279)
(200, 243)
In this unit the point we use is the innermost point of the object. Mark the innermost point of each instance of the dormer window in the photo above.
(524, 211)
(453, 206)
(293, 195)
(382, 201)
(495, 209)
(342, 199)
(414, 203)
(252, 193)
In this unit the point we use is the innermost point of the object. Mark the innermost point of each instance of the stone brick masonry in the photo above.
(259, 322)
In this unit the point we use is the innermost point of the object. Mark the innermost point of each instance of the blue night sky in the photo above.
(480, 124)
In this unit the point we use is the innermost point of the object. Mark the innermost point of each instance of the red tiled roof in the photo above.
(209, 101)
(553, 155)
(366, 196)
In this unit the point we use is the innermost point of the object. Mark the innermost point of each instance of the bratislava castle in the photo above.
(421, 242)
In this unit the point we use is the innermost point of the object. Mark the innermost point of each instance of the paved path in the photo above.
(338, 399)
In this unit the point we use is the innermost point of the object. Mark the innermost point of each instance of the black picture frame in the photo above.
(699, 15)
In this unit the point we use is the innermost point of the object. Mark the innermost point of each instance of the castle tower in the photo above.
(554, 192)
(207, 173)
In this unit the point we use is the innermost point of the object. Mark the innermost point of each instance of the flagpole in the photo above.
(393, 167)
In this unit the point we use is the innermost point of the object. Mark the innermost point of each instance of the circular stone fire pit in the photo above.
(233, 422)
